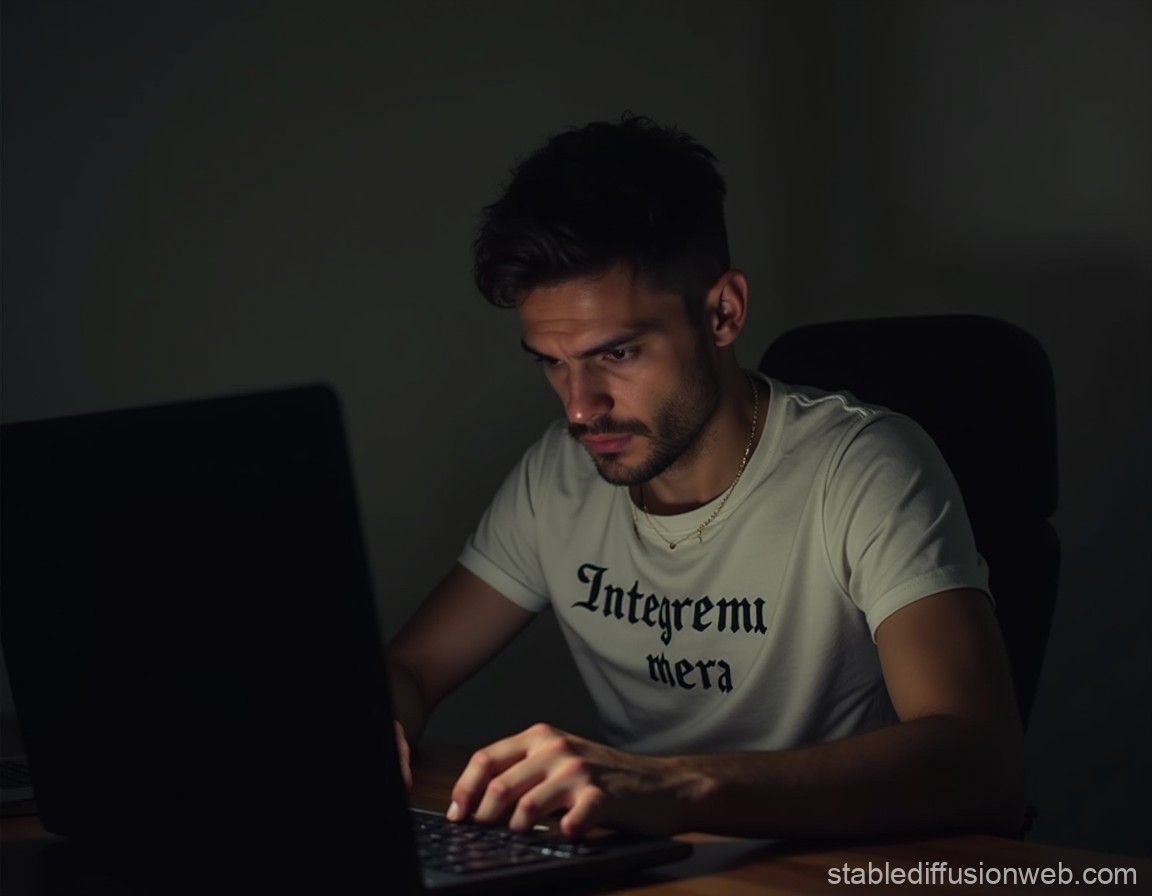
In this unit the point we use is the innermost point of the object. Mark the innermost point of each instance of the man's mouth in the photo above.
(606, 444)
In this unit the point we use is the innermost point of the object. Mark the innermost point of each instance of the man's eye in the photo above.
(621, 354)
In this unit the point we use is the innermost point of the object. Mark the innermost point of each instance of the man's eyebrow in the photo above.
(600, 348)
(538, 355)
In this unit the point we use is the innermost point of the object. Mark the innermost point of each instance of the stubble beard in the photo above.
(675, 435)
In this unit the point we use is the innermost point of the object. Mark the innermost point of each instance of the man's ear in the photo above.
(726, 308)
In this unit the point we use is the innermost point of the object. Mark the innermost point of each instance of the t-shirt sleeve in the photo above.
(503, 550)
(895, 522)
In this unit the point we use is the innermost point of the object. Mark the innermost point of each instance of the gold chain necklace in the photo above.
(699, 531)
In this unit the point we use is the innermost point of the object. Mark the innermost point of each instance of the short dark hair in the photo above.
(607, 194)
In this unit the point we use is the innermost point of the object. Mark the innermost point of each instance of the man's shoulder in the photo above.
(810, 404)
(554, 443)
(806, 414)
(838, 431)
(557, 460)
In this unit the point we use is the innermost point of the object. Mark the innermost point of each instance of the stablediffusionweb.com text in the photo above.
(940, 873)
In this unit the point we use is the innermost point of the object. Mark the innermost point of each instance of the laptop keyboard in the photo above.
(14, 773)
(466, 847)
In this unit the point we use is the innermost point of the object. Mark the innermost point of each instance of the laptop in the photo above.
(194, 656)
(16, 795)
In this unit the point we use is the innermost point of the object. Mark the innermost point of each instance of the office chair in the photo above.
(983, 389)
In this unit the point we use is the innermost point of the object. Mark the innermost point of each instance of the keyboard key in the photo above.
(468, 847)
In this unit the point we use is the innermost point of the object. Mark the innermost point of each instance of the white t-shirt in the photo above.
(759, 636)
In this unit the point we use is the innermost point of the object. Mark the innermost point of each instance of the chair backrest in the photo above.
(983, 389)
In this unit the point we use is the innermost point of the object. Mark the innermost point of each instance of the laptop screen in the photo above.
(192, 642)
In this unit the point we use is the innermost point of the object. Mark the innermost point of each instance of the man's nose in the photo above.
(587, 397)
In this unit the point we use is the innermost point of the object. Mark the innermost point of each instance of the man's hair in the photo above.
(634, 194)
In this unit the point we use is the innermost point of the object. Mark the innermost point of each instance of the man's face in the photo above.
(635, 374)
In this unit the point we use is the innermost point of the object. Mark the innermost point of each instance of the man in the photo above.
(772, 593)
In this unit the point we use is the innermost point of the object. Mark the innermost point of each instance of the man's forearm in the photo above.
(408, 703)
(930, 773)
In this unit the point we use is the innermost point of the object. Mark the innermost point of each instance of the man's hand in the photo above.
(543, 770)
(405, 753)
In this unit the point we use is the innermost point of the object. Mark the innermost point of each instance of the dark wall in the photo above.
(208, 197)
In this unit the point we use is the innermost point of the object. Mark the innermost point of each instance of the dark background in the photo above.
(212, 197)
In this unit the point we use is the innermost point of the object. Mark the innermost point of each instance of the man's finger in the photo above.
(484, 765)
(506, 790)
(541, 801)
(585, 813)
(560, 780)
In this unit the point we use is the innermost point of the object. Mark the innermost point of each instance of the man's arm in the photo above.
(461, 625)
(954, 761)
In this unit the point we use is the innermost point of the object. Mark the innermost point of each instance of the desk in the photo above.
(724, 866)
